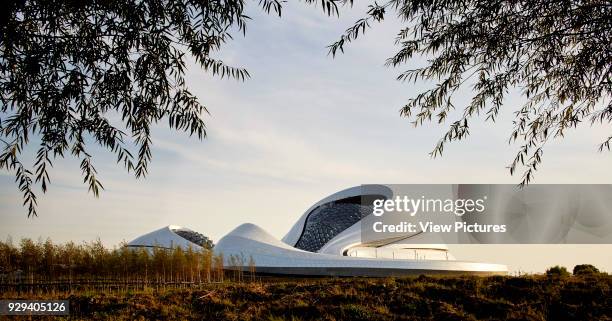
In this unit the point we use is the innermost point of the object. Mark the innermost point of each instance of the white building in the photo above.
(327, 241)
(169, 237)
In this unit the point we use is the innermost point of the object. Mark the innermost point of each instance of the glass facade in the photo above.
(328, 220)
(196, 238)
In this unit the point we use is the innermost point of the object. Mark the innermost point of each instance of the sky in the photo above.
(305, 126)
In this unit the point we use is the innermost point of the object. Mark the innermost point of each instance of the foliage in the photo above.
(556, 52)
(584, 269)
(410, 298)
(45, 261)
(79, 73)
(557, 271)
(124, 284)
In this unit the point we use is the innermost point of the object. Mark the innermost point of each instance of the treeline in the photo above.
(32, 262)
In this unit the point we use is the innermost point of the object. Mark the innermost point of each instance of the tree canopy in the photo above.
(556, 52)
(77, 73)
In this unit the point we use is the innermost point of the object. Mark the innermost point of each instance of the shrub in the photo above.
(559, 271)
(583, 269)
(356, 312)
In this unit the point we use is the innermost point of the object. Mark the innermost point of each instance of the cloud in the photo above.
(305, 126)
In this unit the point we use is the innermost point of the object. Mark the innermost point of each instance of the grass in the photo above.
(538, 297)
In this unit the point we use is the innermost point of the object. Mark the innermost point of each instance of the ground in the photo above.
(585, 297)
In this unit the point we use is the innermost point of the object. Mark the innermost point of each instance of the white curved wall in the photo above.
(294, 233)
(422, 245)
(343, 255)
(164, 237)
(250, 241)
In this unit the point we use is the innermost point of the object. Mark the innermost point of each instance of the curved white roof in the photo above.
(344, 254)
(296, 230)
(270, 254)
(352, 235)
(165, 237)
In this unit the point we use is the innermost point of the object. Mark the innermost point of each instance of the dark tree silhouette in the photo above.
(77, 73)
(557, 52)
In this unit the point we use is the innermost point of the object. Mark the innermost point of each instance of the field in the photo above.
(535, 297)
(123, 284)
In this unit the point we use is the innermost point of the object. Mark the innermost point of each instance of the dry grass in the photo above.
(584, 297)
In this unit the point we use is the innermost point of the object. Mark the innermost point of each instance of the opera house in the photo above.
(327, 241)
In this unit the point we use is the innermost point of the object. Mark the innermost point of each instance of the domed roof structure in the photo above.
(327, 241)
(172, 236)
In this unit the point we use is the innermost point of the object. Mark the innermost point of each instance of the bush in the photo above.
(558, 271)
(583, 269)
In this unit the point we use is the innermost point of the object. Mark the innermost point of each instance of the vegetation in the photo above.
(584, 269)
(79, 73)
(585, 297)
(557, 271)
(91, 265)
(124, 284)
(557, 53)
